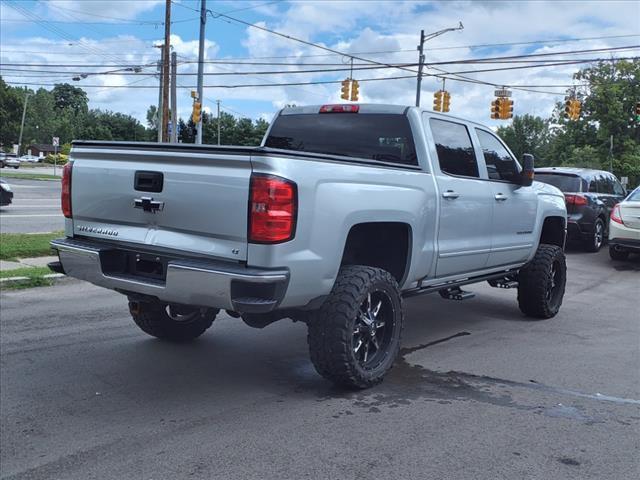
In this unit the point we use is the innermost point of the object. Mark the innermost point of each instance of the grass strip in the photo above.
(34, 278)
(26, 245)
(29, 176)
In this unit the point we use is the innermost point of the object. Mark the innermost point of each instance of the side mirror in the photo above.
(526, 176)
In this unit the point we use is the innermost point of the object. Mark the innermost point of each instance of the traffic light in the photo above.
(437, 101)
(496, 107)
(197, 112)
(567, 107)
(506, 108)
(446, 101)
(355, 89)
(572, 107)
(638, 111)
(577, 106)
(346, 88)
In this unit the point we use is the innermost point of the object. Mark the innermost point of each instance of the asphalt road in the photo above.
(35, 207)
(478, 393)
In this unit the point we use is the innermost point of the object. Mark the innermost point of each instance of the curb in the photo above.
(11, 280)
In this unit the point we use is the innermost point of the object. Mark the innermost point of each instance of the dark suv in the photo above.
(590, 196)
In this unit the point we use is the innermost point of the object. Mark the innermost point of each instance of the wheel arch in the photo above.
(554, 231)
(385, 245)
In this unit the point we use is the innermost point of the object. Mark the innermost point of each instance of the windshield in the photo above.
(566, 183)
(383, 137)
(634, 196)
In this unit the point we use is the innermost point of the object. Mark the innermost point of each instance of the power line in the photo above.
(502, 59)
(59, 32)
(130, 71)
(284, 84)
(534, 42)
(136, 69)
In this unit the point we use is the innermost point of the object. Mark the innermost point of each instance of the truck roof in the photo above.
(375, 108)
(570, 170)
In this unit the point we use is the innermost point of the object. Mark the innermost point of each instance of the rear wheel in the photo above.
(596, 240)
(617, 254)
(354, 338)
(178, 323)
(541, 283)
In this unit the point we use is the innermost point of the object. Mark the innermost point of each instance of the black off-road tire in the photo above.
(541, 283)
(331, 328)
(594, 243)
(616, 254)
(152, 318)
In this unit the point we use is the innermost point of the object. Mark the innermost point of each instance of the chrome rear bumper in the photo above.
(187, 281)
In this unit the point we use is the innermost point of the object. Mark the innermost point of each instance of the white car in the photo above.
(9, 161)
(624, 228)
(29, 158)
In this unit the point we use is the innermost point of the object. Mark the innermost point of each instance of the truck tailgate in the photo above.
(200, 206)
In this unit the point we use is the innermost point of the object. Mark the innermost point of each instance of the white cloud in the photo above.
(349, 27)
(105, 10)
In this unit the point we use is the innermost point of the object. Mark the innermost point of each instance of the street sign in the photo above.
(503, 92)
(56, 141)
(624, 181)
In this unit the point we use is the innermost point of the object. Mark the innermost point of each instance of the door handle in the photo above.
(450, 194)
(500, 197)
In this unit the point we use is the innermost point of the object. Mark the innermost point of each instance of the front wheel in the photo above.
(541, 283)
(177, 323)
(354, 338)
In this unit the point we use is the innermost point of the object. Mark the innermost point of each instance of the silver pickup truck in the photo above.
(340, 214)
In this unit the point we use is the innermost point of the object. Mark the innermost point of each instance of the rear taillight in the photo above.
(616, 216)
(272, 209)
(577, 200)
(65, 197)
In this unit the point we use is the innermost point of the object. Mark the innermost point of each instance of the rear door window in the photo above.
(617, 187)
(382, 137)
(500, 164)
(566, 183)
(455, 150)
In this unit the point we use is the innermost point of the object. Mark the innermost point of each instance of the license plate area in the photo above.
(134, 264)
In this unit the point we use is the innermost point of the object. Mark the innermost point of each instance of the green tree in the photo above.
(68, 97)
(612, 88)
(528, 134)
(259, 130)
(11, 102)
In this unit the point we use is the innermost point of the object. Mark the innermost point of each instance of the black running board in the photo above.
(456, 283)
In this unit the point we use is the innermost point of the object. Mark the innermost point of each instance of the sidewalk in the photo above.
(26, 262)
(27, 272)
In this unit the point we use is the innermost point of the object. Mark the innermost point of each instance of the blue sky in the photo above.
(103, 33)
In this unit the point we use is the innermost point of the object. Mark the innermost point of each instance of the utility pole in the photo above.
(24, 113)
(174, 100)
(203, 21)
(611, 153)
(159, 111)
(218, 102)
(420, 66)
(165, 71)
(424, 38)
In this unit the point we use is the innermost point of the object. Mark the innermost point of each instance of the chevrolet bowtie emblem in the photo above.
(148, 204)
